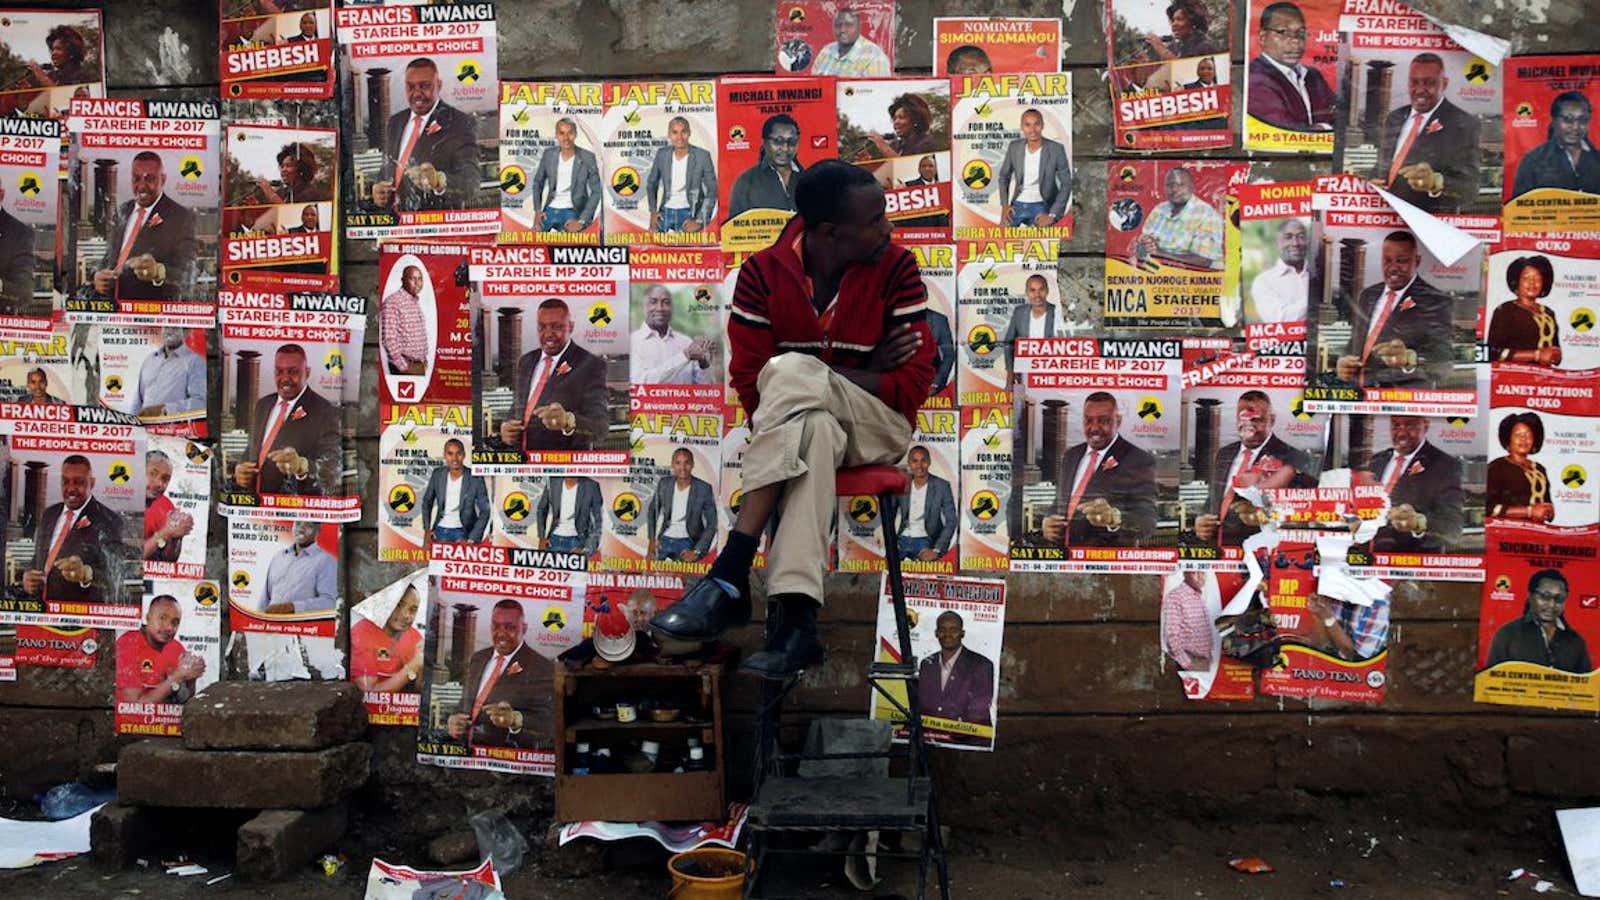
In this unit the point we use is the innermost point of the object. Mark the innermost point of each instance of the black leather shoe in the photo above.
(790, 651)
(704, 613)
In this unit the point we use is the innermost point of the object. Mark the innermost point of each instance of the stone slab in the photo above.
(276, 843)
(296, 715)
(156, 773)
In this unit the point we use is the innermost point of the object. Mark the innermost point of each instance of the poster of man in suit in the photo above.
(425, 481)
(957, 624)
(1292, 50)
(1005, 291)
(1433, 472)
(649, 122)
(926, 519)
(1015, 181)
(549, 176)
(424, 115)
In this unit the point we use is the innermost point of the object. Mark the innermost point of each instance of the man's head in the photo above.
(658, 308)
(1037, 290)
(1427, 81)
(682, 464)
(780, 140)
(382, 192)
(949, 629)
(1400, 259)
(678, 133)
(1569, 120)
(411, 280)
(1283, 33)
(1101, 420)
(917, 460)
(290, 369)
(455, 454)
(1179, 186)
(1195, 578)
(846, 27)
(308, 25)
(566, 134)
(641, 608)
(148, 178)
(309, 220)
(844, 211)
(1547, 596)
(1406, 433)
(404, 612)
(1032, 126)
(928, 169)
(172, 338)
(1255, 418)
(422, 85)
(507, 626)
(38, 385)
(554, 321)
(1206, 70)
(1292, 242)
(161, 620)
(77, 481)
(157, 474)
(306, 533)
(968, 60)
(296, 164)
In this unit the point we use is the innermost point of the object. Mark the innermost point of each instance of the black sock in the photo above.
(732, 565)
(799, 612)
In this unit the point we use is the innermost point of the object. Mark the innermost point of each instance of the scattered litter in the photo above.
(1371, 847)
(1337, 883)
(1516, 873)
(499, 840)
(1542, 887)
(223, 877)
(1580, 832)
(186, 871)
(330, 864)
(67, 800)
(1251, 865)
(386, 881)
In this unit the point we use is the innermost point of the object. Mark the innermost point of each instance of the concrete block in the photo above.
(120, 834)
(152, 773)
(453, 847)
(1544, 763)
(279, 841)
(295, 715)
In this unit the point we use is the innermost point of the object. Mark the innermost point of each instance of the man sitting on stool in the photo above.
(831, 358)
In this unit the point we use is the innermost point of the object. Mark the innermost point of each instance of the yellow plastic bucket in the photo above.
(707, 873)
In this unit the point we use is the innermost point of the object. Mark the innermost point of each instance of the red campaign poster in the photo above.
(771, 129)
(1302, 37)
(1333, 649)
(1165, 242)
(272, 50)
(847, 38)
(65, 648)
(1551, 163)
(424, 334)
(1194, 606)
(899, 130)
(278, 204)
(978, 45)
(283, 577)
(1539, 625)
(1170, 75)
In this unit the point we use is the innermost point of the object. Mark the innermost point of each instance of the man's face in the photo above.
(641, 608)
(555, 325)
(566, 136)
(172, 338)
(1426, 85)
(161, 622)
(1032, 126)
(305, 534)
(77, 481)
(1399, 263)
(1406, 433)
(782, 143)
(1572, 124)
(928, 170)
(405, 612)
(289, 374)
(308, 25)
(658, 308)
(971, 64)
(309, 219)
(1038, 294)
(1292, 243)
(949, 632)
(289, 170)
(1206, 70)
(678, 134)
(453, 456)
(682, 466)
(157, 475)
(506, 628)
(862, 233)
(1178, 186)
(846, 28)
(1255, 423)
(1194, 579)
(36, 386)
(917, 462)
(1101, 421)
(411, 280)
(148, 180)
(1547, 599)
(382, 192)
(1284, 38)
(422, 88)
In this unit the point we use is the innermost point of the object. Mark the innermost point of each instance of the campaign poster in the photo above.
(177, 508)
(735, 440)
(676, 467)
(937, 263)
(1011, 147)
(1198, 608)
(428, 491)
(1335, 630)
(156, 373)
(74, 497)
(846, 38)
(31, 160)
(386, 881)
(422, 102)
(1543, 447)
(978, 45)
(1166, 250)
(1539, 619)
(44, 370)
(899, 130)
(1006, 291)
(271, 50)
(1244, 427)
(387, 633)
(988, 516)
(425, 335)
(550, 186)
(279, 202)
(1274, 262)
(274, 656)
(53, 57)
(1542, 299)
(57, 648)
(499, 617)
(679, 299)
(1552, 169)
(956, 629)
(625, 535)
(1169, 74)
(660, 139)
(1294, 48)
(283, 577)
(1421, 115)
(772, 129)
(173, 655)
(560, 406)
(291, 370)
(1391, 328)
(1096, 455)
(926, 520)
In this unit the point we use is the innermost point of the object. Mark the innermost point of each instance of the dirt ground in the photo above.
(1160, 859)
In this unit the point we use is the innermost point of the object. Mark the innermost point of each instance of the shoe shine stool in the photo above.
(788, 805)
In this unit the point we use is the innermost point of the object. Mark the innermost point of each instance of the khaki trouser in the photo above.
(812, 422)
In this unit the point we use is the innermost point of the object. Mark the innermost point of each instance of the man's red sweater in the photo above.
(773, 314)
